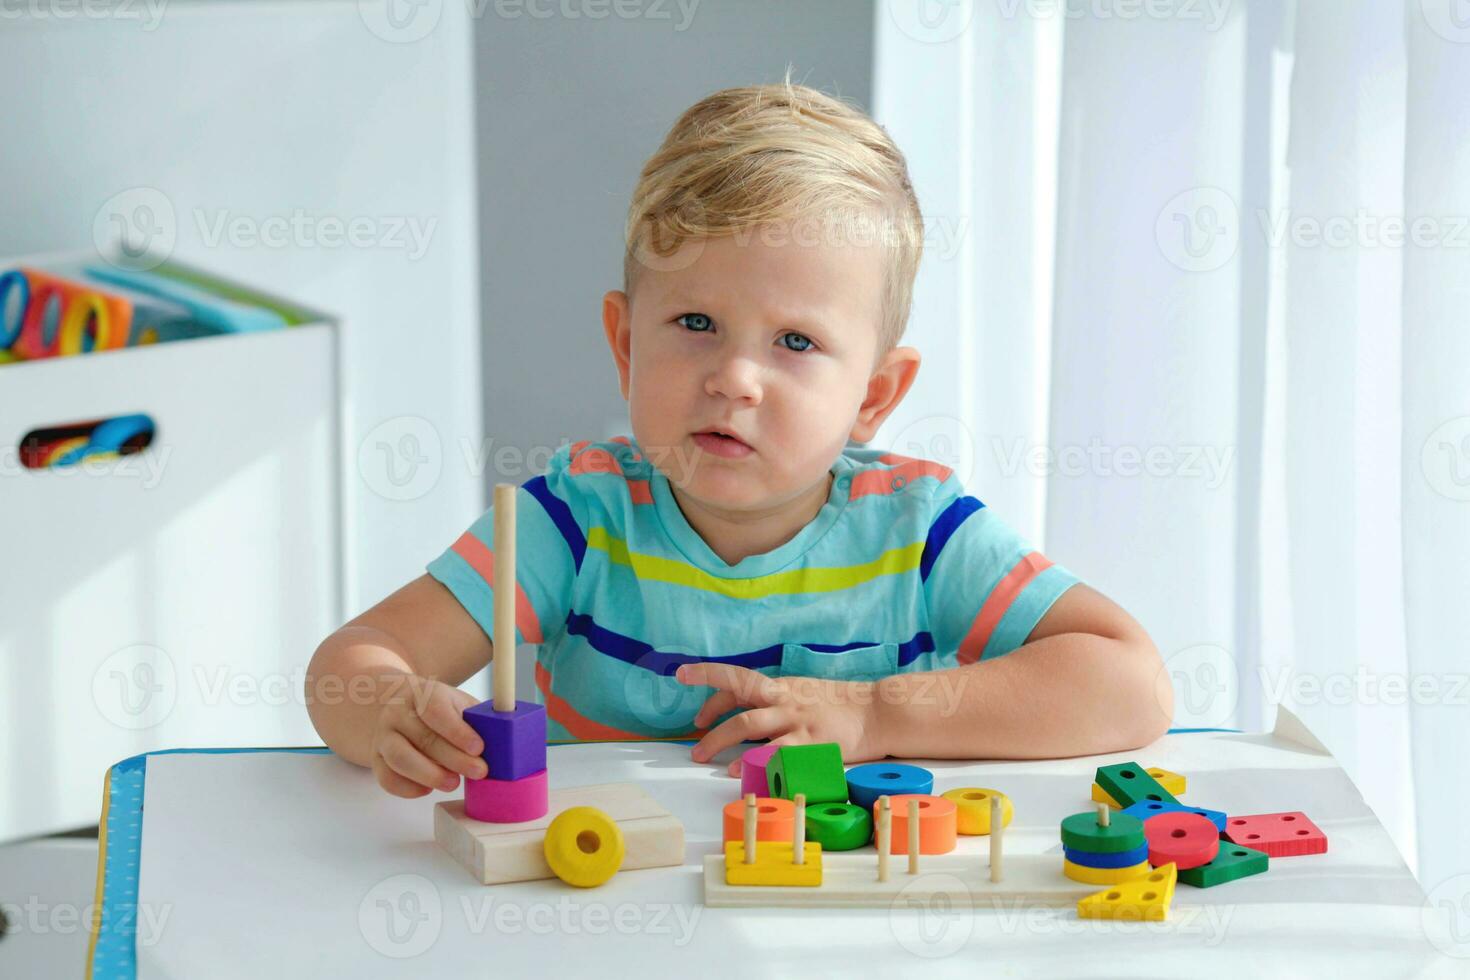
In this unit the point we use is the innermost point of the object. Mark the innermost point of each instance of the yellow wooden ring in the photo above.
(1103, 876)
(973, 804)
(583, 846)
(81, 308)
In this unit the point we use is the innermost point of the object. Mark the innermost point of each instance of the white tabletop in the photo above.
(287, 865)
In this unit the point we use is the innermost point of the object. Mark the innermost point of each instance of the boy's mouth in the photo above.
(721, 442)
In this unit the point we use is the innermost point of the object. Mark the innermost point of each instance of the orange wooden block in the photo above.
(938, 824)
(774, 820)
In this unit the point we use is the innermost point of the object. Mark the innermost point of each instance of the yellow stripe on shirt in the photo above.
(653, 568)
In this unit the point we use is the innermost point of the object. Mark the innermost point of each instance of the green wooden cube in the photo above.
(1129, 783)
(1232, 862)
(815, 770)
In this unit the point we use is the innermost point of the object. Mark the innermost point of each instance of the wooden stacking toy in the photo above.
(973, 806)
(1171, 781)
(510, 826)
(1103, 848)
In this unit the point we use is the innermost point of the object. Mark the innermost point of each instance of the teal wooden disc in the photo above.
(1081, 832)
(838, 826)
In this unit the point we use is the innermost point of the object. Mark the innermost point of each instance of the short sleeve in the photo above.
(547, 558)
(986, 588)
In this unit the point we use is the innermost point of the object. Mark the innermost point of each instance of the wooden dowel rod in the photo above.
(884, 828)
(503, 604)
(997, 830)
(798, 840)
(750, 828)
(913, 837)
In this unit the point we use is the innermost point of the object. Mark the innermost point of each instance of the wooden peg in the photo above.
(997, 829)
(885, 825)
(798, 838)
(750, 828)
(503, 602)
(913, 836)
(1104, 815)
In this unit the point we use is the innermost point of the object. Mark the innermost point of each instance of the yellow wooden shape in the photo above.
(1171, 781)
(972, 809)
(1102, 876)
(773, 864)
(584, 846)
(1143, 899)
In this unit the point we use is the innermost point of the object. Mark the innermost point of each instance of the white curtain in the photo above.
(1195, 310)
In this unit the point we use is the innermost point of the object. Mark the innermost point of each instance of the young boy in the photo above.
(735, 571)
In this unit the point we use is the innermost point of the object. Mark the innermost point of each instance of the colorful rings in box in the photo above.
(84, 319)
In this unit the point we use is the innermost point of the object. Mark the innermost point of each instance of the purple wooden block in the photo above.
(515, 741)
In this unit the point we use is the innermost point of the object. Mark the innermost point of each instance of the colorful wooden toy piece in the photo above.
(753, 769)
(1186, 840)
(584, 846)
(972, 804)
(495, 853)
(1129, 783)
(1087, 832)
(867, 782)
(1150, 808)
(1142, 899)
(838, 826)
(506, 800)
(794, 862)
(1234, 861)
(515, 740)
(938, 825)
(813, 770)
(1102, 876)
(1119, 859)
(1171, 781)
(1288, 834)
(775, 819)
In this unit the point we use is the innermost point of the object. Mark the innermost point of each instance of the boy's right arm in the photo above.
(383, 691)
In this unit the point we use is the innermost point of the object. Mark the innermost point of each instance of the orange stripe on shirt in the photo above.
(891, 481)
(559, 710)
(482, 560)
(999, 600)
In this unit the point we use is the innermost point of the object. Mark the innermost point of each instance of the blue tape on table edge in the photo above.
(114, 954)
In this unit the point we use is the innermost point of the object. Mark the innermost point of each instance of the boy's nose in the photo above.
(736, 378)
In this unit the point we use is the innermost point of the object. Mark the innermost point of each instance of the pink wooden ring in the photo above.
(506, 800)
(753, 770)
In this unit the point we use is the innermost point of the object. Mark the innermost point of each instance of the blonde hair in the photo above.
(757, 155)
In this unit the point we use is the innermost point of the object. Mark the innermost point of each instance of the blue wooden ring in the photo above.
(866, 783)
(1122, 859)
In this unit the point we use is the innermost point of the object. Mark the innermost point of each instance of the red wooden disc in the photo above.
(1186, 839)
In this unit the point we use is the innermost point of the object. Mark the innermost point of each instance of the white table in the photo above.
(287, 865)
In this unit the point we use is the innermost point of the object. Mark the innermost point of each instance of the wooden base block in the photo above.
(773, 864)
(850, 880)
(496, 853)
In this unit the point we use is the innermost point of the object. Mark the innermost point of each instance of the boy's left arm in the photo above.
(1087, 680)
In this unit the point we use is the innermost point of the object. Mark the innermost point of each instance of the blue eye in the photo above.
(699, 318)
(805, 342)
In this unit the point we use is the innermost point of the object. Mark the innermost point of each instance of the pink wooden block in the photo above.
(506, 800)
(1286, 834)
(753, 770)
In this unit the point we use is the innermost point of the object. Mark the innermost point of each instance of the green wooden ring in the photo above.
(838, 826)
(1081, 832)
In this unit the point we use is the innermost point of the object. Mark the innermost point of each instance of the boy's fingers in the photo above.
(412, 764)
(394, 783)
(756, 723)
(735, 765)
(441, 750)
(748, 686)
(715, 705)
(445, 715)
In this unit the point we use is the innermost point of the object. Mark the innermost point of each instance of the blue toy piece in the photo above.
(13, 281)
(1152, 808)
(1121, 859)
(868, 782)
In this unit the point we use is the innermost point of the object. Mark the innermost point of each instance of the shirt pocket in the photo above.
(856, 664)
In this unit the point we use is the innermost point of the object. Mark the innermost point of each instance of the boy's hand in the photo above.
(421, 741)
(786, 710)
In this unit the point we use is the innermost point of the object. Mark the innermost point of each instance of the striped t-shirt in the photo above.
(899, 571)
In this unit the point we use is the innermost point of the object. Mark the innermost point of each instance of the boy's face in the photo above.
(768, 339)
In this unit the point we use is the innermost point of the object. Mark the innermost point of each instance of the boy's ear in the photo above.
(891, 380)
(618, 326)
